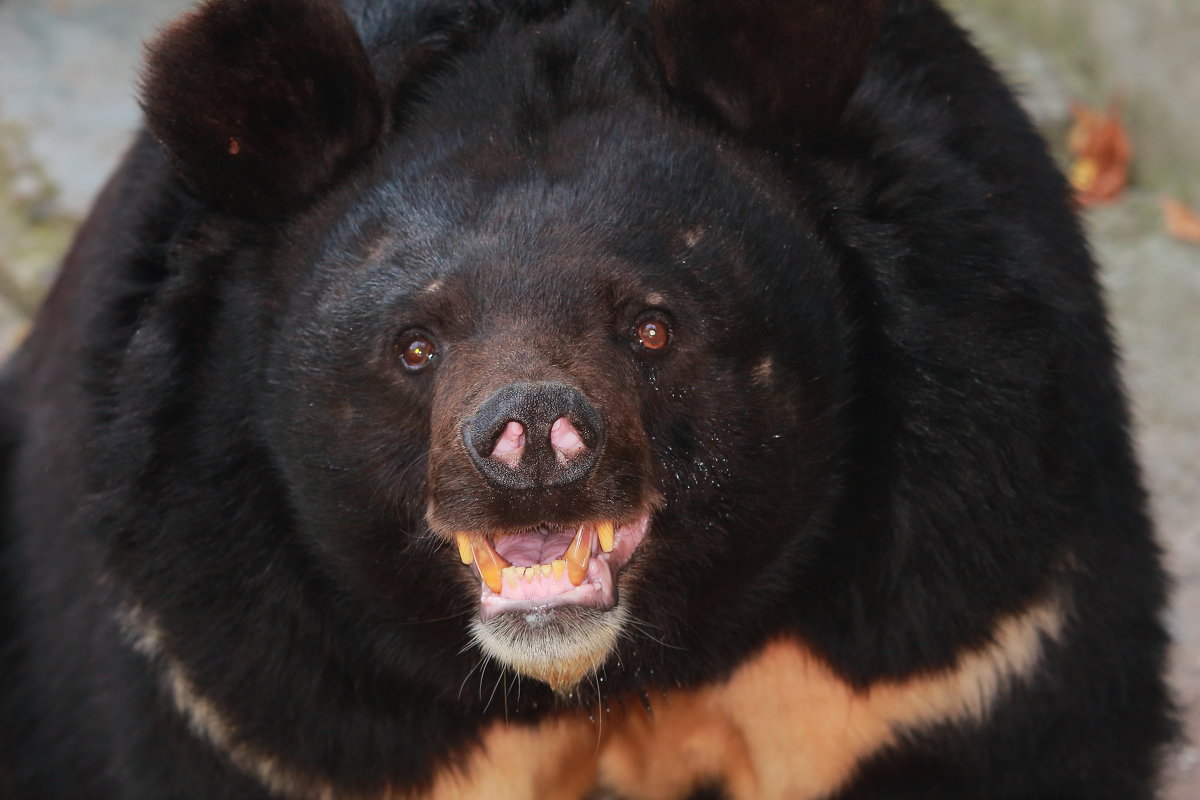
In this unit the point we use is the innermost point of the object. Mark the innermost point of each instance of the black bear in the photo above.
(576, 399)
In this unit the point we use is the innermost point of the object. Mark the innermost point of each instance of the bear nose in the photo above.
(532, 435)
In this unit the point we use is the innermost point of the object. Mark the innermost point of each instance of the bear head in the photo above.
(529, 312)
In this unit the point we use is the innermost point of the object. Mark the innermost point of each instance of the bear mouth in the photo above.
(551, 565)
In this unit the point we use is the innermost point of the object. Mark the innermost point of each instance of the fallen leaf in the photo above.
(1182, 222)
(1102, 152)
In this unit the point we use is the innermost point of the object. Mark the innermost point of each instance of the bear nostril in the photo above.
(565, 440)
(511, 444)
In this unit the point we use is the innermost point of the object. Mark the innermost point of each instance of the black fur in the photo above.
(889, 417)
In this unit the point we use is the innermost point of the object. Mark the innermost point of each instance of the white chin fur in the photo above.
(559, 646)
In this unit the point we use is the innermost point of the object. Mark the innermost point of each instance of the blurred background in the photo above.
(1113, 84)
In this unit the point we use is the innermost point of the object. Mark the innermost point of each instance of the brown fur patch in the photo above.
(693, 237)
(764, 371)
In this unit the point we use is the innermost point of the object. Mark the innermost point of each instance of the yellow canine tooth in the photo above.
(579, 554)
(490, 564)
(464, 548)
(558, 567)
(606, 535)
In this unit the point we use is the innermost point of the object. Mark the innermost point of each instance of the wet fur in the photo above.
(891, 421)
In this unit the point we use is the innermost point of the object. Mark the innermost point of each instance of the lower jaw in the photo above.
(559, 645)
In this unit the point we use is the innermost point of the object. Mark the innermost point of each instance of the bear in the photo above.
(576, 399)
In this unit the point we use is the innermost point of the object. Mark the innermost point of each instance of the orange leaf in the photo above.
(1182, 222)
(1102, 152)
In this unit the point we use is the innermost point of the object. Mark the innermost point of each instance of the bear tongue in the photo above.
(541, 546)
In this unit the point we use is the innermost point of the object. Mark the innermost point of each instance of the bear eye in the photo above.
(417, 350)
(653, 332)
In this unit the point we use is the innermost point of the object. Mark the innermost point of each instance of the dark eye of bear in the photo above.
(653, 333)
(417, 351)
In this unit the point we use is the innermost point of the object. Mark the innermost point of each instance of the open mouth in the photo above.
(551, 565)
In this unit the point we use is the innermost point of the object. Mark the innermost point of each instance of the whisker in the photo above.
(505, 676)
(492, 696)
(455, 615)
(486, 659)
(478, 664)
(646, 629)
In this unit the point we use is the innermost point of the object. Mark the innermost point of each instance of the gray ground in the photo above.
(67, 109)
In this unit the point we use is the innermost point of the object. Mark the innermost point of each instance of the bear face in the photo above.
(476, 289)
(536, 291)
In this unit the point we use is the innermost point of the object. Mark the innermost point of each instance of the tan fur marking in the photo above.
(555, 760)
(786, 726)
(783, 726)
(686, 742)
(208, 723)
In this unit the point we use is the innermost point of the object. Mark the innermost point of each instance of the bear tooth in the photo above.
(558, 567)
(490, 564)
(545, 569)
(579, 554)
(605, 533)
(509, 574)
(464, 548)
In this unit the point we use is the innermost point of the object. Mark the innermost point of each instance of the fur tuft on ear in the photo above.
(259, 103)
(772, 68)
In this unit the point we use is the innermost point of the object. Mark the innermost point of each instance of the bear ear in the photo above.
(767, 67)
(259, 103)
